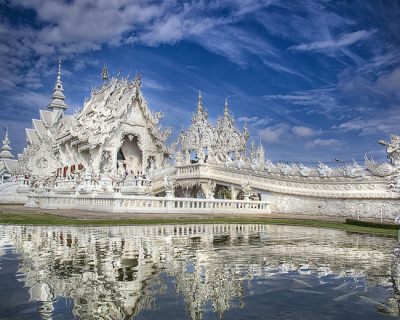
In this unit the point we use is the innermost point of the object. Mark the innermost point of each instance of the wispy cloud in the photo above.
(319, 101)
(342, 41)
(383, 122)
(255, 121)
(154, 84)
(236, 44)
(324, 143)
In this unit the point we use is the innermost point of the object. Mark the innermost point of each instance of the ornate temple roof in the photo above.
(107, 109)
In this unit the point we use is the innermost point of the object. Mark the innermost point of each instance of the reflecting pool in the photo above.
(195, 272)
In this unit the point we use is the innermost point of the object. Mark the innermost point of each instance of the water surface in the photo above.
(195, 272)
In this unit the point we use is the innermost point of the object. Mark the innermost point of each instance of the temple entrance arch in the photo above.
(130, 155)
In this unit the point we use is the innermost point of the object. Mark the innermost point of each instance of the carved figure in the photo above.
(304, 171)
(392, 149)
(324, 170)
(354, 170)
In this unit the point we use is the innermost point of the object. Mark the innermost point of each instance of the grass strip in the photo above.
(54, 220)
(373, 224)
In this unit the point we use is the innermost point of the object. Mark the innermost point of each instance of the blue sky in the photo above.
(314, 80)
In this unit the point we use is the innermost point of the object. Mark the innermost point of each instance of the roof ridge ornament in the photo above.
(104, 74)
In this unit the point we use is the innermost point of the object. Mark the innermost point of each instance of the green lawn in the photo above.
(48, 219)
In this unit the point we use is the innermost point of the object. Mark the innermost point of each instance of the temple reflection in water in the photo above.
(120, 271)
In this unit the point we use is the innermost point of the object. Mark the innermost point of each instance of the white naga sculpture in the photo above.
(114, 146)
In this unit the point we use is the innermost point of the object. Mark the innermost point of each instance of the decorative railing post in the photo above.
(169, 185)
(117, 204)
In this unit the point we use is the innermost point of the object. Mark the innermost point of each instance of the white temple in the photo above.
(113, 156)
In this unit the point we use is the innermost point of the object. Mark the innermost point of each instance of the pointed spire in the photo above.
(261, 153)
(138, 80)
(226, 110)
(57, 98)
(104, 74)
(260, 148)
(200, 101)
(6, 149)
(246, 133)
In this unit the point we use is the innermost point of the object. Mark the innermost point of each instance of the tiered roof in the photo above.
(6, 149)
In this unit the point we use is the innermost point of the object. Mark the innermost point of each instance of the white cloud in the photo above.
(332, 143)
(69, 28)
(273, 134)
(304, 132)
(390, 82)
(384, 122)
(86, 25)
(343, 41)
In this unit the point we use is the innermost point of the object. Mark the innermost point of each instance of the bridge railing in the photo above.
(191, 169)
(146, 204)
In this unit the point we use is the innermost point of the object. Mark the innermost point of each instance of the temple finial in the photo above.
(138, 80)
(59, 69)
(104, 74)
(200, 101)
(226, 106)
(57, 98)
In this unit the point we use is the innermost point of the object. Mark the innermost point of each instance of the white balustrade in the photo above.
(146, 204)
